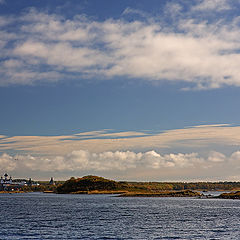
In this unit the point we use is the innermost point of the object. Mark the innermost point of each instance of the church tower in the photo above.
(51, 182)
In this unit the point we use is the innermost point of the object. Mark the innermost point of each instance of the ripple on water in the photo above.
(50, 216)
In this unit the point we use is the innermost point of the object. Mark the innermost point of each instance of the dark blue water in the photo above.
(51, 216)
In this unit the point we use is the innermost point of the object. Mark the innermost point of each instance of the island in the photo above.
(99, 185)
(89, 185)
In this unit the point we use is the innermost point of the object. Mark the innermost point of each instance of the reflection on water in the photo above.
(51, 216)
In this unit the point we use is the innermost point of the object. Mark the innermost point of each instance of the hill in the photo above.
(87, 184)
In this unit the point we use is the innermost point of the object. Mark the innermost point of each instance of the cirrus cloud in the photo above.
(213, 5)
(201, 138)
(206, 152)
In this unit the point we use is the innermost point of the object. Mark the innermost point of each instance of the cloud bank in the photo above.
(206, 152)
(105, 161)
(176, 46)
(121, 161)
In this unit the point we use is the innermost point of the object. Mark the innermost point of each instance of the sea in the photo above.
(70, 216)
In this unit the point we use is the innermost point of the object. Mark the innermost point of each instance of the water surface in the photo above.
(52, 216)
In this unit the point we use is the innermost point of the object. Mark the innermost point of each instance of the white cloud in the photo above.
(235, 160)
(200, 53)
(129, 10)
(4, 20)
(105, 161)
(7, 162)
(201, 138)
(128, 155)
(216, 157)
(178, 165)
(172, 9)
(213, 5)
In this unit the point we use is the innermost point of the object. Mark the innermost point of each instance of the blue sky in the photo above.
(152, 87)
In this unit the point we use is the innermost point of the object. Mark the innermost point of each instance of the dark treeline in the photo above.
(154, 186)
(89, 184)
(40, 188)
(94, 183)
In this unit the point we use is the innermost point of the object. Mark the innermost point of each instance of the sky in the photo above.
(129, 90)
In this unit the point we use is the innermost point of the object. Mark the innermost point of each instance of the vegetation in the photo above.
(17, 191)
(184, 193)
(99, 185)
(231, 195)
(87, 184)
(39, 188)
(207, 186)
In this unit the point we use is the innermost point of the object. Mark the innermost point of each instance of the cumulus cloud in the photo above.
(235, 159)
(195, 51)
(127, 154)
(8, 162)
(176, 166)
(216, 157)
(105, 161)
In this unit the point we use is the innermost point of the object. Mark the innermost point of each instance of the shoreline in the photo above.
(234, 195)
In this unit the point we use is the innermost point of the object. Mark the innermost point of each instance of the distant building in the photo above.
(51, 182)
(8, 184)
(5, 182)
(30, 182)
